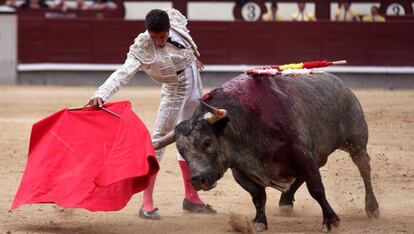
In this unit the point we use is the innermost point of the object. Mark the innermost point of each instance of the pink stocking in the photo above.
(147, 201)
(190, 193)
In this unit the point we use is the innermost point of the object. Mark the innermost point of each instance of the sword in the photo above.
(100, 108)
(111, 112)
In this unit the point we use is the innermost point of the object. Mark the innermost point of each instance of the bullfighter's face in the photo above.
(198, 143)
(159, 38)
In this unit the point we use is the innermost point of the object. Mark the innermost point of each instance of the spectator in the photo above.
(103, 4)
(61, 5)
(301, 14)
(242, 2)
(374, 16)
(11, 3)
(346, 13)
(272, 15)
(34, 4)
(340, 3)
(80, 5)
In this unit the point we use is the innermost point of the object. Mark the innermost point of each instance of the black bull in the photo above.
(275, 131)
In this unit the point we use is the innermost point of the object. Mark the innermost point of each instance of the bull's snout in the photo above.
(202, 181)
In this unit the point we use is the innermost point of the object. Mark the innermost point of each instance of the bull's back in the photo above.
(318, 105)
(327, 110)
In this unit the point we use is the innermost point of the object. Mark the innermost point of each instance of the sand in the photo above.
(390, 116)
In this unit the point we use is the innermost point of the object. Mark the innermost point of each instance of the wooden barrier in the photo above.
(106, 41)
(8, 45)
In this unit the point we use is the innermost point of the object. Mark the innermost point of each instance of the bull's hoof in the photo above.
(333, 223)
(373, 214)
(260, 227)
(325, 228)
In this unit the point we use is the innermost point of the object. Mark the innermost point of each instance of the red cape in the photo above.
(88, 159)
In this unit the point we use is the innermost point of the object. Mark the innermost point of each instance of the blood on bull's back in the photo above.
(318, 105)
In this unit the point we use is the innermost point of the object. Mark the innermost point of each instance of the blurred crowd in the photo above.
(344, 12)
(62, 5)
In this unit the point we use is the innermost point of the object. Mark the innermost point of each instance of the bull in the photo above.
(275, 131)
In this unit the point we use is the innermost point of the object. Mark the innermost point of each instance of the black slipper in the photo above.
(198, 208)
(153, 215)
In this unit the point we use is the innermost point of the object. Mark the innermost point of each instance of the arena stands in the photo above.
(53, 36)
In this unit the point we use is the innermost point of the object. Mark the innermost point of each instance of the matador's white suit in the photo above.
(173, 65)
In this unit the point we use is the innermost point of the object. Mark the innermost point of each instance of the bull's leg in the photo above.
(287, 198)
(258, 194)
(310, 170)
(361, 159)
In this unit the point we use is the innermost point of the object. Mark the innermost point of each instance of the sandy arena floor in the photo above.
(390, 116)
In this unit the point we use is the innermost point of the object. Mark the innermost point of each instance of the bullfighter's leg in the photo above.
(307, 163)
(193, 91)
(258, 194)
(172, 97)
(361, 159)
(287, 198)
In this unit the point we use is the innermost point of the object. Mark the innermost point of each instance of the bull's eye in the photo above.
(206, 143)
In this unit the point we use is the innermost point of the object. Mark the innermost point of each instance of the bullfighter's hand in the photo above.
(200, 65)
(95, 103)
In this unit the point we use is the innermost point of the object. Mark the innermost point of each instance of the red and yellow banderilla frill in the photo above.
(274, 70)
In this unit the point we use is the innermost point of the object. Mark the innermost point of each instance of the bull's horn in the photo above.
(214, 114)
(164, 141)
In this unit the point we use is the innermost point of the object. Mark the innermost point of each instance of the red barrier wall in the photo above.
(107, 41)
